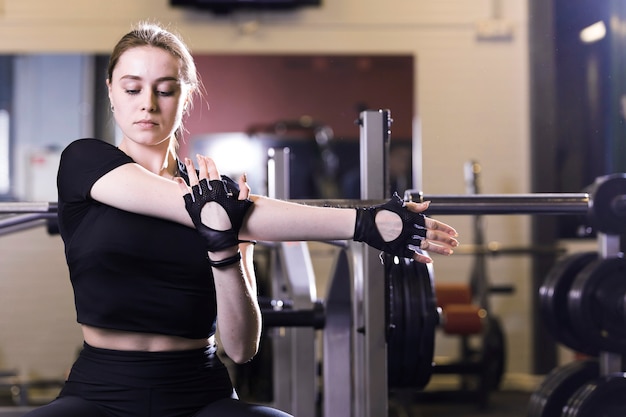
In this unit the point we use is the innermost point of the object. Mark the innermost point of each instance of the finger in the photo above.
(442, 238)
(191, 172)
(420, 257)
(213, 173)
(244, 188)
(202, 167)
(440, 226)
(430, 223)
(417, 207)
(433, 247)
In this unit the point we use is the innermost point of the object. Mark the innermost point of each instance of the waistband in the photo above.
(209, 351)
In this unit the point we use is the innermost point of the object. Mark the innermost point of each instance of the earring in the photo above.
(112, 109)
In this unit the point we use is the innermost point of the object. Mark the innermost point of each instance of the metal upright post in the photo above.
(295, 367)
(370, 349)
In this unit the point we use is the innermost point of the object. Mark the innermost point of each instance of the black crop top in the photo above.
(129, 271)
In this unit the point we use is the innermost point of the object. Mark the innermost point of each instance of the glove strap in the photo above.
(223, 263)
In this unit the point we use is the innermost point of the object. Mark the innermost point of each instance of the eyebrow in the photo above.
(135, 77)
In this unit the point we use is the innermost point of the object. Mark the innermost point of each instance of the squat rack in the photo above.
(606, 210)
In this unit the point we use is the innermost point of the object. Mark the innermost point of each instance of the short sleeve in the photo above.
(82, 163)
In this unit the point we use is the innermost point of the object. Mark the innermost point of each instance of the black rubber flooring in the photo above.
(499, 403)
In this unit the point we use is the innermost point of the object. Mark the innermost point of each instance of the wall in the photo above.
(471, 101)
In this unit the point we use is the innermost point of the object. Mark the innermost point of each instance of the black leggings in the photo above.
(108, 383)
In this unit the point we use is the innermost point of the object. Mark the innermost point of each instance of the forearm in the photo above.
(278, 220)
(238, 313)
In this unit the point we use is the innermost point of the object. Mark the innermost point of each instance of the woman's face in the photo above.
(147, 95)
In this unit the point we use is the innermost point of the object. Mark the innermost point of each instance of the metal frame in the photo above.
(293, 278)
(370, 346)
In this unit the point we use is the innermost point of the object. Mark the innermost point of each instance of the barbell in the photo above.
(610, 188)
(604, 204)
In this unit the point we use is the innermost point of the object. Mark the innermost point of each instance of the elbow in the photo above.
(244, 354)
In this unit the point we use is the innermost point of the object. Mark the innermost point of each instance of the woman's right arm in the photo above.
(133, 188)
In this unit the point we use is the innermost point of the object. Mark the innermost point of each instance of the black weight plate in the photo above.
(395, 322)
(608, 211)
(602, 397)
(559, 385)
(426, 304)
(553, 300)
(414, 322)
(596, 304)
(493, 355)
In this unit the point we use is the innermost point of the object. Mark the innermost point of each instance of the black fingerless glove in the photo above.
(225, 193)
(411, 236)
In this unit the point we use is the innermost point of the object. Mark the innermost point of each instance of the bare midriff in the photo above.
(134, 341)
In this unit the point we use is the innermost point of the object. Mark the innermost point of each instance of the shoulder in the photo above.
(93, 152)
(83, 162)
(89, 145)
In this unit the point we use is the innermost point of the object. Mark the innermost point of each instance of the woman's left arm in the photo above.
(217, 215)
(279, 220)
(238, 313)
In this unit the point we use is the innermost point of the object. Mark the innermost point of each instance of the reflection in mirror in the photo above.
(307, 102)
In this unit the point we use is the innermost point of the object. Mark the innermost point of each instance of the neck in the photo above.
(159, 159)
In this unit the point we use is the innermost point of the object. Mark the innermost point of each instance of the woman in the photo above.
(155, 273)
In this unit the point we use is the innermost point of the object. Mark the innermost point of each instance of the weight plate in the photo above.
(412, 318)
(427, 305)
(493, 355)
(559, 386)
(553, 300)
(596, 304)
(608, 209)
(602, 397)
(414, 323)
(395, 322)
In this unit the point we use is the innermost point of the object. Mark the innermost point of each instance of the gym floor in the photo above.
(501, 404)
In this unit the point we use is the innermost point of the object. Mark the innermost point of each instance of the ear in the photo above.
(187, 103)
(109, 87)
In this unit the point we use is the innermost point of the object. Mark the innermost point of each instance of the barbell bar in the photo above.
(604, 204)
(538, 203)
(557, 204)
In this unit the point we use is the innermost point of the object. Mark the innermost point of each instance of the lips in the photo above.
(145, 123)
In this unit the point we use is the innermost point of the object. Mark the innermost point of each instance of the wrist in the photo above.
(224, 259)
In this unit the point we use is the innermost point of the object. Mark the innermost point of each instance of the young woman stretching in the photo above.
(158, 253)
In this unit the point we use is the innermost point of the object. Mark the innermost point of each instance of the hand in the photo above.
(399, 228)
(216, 207)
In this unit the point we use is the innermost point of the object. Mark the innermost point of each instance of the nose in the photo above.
(149, 102)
